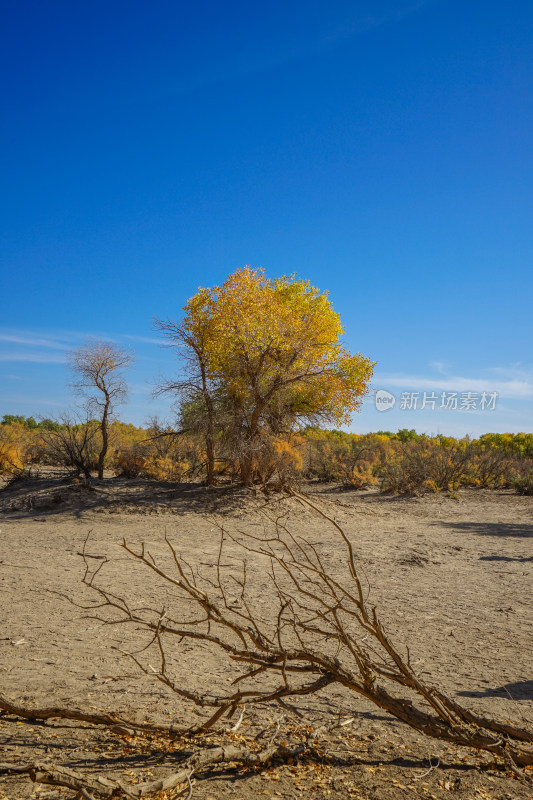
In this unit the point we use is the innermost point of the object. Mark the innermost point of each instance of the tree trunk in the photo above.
(210, 433)
(249, 440)
(105, 437)
(210, 459)
(246, 465)
(85, 470)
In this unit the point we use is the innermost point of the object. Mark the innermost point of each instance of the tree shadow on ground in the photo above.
(512, 529)
(505, 558)
(44, 497)
(521, 690)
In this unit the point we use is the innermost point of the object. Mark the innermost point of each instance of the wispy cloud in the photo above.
(144, 339)
(513, 372)
(277, 53)
(33, 406)
(65, 339)
(32, 342)
(518, 388)
(36, 358)
(441, 366)
(362, 24)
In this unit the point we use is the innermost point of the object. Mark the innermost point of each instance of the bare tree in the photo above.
(98, 368)
(195, 387)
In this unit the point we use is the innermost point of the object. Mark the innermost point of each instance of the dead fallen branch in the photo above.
(77, 715)
(102, 787)
(322, 632)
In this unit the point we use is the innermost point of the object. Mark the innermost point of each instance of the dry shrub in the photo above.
(316, 631)
(347, 458)
(288, 460)
(491, 469)
(406, 472)
(414, 468)
(321, 461)
(523, 483)
(74, 443)
(360, 476)
(450, 463)
(129, 462)
(279, 460)
(164, 468)
(163, 456)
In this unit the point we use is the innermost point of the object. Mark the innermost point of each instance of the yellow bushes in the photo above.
(288, 459)
(347, 458)
(159, 455)
(13, 448)
(360, 476)
(402, 463)
(129, 462)
(523, 484)
(439, 464)
(11, 460)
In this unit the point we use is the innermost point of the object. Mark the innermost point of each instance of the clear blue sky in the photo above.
(381, 149)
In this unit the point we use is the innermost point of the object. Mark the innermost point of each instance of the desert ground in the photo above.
(450, 577)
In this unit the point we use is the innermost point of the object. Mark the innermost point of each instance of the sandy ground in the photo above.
(451, 579)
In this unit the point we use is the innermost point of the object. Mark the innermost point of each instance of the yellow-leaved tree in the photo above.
(264, 357)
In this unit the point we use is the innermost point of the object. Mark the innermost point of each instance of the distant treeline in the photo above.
(29, 422)
(402, 462)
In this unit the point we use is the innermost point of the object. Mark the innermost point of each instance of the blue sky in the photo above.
(381, 149)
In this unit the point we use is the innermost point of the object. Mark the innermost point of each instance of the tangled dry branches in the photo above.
(322, 632)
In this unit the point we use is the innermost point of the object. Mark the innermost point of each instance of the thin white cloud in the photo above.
(33, 405)
(508, 389)
(144, 339)
(53, 339)
(50, 343)
(513, 372)
(440, 366)
(36, 358)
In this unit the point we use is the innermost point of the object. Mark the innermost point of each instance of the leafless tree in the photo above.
(194, 387)
(98, 368)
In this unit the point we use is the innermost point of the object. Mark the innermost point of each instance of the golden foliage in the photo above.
(266, 339)
(13, 446)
